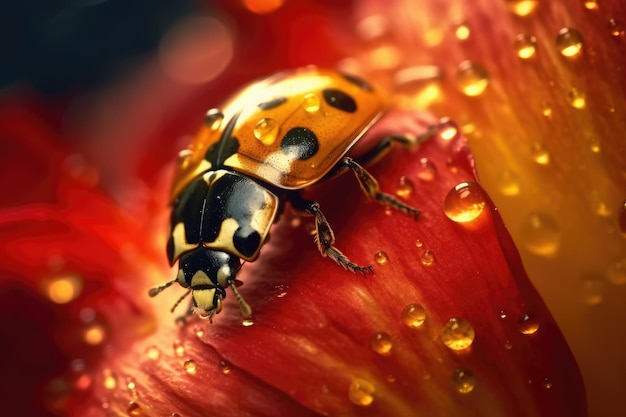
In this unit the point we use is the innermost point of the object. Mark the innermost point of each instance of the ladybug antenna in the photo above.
(182, 297)
(154, 291)
(246, 311)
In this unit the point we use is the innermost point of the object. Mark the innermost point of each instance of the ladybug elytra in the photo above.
(267, 143)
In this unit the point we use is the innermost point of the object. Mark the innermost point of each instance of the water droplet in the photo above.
(381, 343)
(471, 78)
(266, 130)
(465, 202)
(594, 144)
(576, 99)
(153, 353)
(509, 184)
(184, 158)
(503, 314)
(213, 119)
(528, 324)
(94, 334)
(546, 110)
(448, 129)
(419, 243)
(381, 258)
(525, 46)
(130, 384)
(361, 392)
(616, 29)
(616, 272)
(133, 409)
(427, 170)
(592, 289)
(427, 258)
(508, 345)
(311, 103)
(547, 384)
(109, 379)
(522, 7)
(414, 316)
(199, 331)
(540, 234)
(63, 289)
(457, 334)
(463, 380)
(247, 322)
(591, 4)
(179, 349)
(540, 154)
(405, 187)
(569, 42)
(190, 366)
(462, 31)
(225, 367)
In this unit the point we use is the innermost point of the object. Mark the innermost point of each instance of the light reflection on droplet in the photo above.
(472, 79)
(153, 353)
(413, 315)
(465, 202)
(616, 29)
(361, 392)
(591, 4)
(528, 324)
(381, 258)
(179, 349)
(311, 103)
(427, 171)
(522, 7)
(266, 131)
(569, 42)
(462, 31)
(457, 334)
(224, 367)
(381, 343)
(525, 46)
(576, 98)
(190, 366)
(427, 258)
(540, 154)
(405, 187)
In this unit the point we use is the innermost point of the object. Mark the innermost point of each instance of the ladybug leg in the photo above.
(369, 185)
(324, 235)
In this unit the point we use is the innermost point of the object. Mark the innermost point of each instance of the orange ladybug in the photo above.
(269, 141)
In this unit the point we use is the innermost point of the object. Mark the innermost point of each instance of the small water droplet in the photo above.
(540, 234)
(130, 384)
(592, 289)
(576, 98)
(109, 379)
(190, 366)
(361, 392)
(503, 314)
(153, 353)
(199, 331)
(427, 258)
(381, 343)
(616, 272)
(419, 243)
(65, 288)
(225, 367)
(525, 46)
(448, 129)
(547, 384)
(616, 29)
(266, 130)
(591, 4)
(427, 170)
(311, 103)
(213, 119)
(508, 345)
(463, 380)
(546, 110)
(528, 324)
(179, 349)
(472, 79)
(522, 7)
(247, 322)
(569, 42)
(540, 154)
(381, 258)
(509, 184)
(465, 202)
(457, 334)
(413, 315)
(184, 158)
(462, 31)
(133, 409)
(405, 187)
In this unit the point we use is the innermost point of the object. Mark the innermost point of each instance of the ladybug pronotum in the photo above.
(267, 143)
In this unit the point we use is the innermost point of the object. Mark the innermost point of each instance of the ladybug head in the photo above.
(207, 273)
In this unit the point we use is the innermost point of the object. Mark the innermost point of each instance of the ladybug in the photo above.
(271, 140)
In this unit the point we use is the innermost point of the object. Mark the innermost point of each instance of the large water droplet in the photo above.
(569, 42)
(381, 258)
(381, 343)
(528, 324)
(361, 392)
(457, 334)
(465, 202)
(525, 46)
(463, 380)
(472, 79)
(414, 316)
(190, 366)
(266, 130)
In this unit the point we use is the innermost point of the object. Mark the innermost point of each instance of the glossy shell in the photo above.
(287, 130)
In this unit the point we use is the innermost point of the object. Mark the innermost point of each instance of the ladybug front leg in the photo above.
(324, 235)
(369, 185)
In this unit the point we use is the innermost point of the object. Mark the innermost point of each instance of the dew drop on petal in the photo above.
(179, 349)
(508, 345)
(184, 157)
(569, 42)
(63, 289)
(427, 258)
(266, 130)
(199, 331)
(502, 314)
(592, 289)
(413, 316)
(381, 343)
(546, 110)
(247, 322)
(590, 4)
(528, 324)
(153, 353)
(616, 272)
(462, 31)
(133, 409)
(457, 334)
(109, 380)
(522, 7)
(213, 119)
(525, 46)
(361, 392)
(465, 202)
(224, 367)
(463, 380)
(448, 129)
(472, 79)
(427, 170)
(540, 154)
(405, 187)
(419, 243)
(616, 29)
(540, 234)
(381, 258)
(509, 184)
(546, 383)
(190, 366)
(311, 103)
(576, 98)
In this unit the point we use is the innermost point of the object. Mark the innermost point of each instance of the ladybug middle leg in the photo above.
(324, 235)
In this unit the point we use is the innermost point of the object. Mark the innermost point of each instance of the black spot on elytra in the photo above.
(358, 82)
(299, 143)
(275, 102)
(339, 100)
(246, 240)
